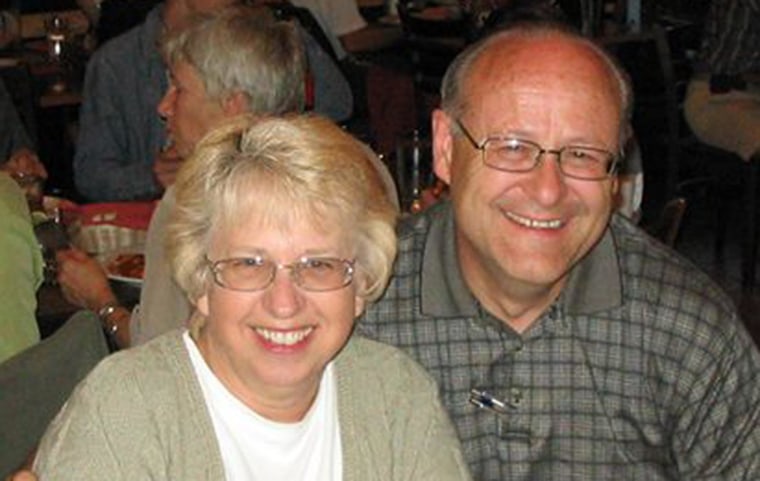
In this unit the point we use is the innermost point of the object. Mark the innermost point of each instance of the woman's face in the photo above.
(271, 346)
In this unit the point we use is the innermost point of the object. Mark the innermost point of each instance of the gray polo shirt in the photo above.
(640, 370)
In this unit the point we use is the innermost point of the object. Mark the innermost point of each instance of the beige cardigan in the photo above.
(141, 415)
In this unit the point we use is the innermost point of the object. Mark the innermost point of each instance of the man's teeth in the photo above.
(535, 223)
(284, 338)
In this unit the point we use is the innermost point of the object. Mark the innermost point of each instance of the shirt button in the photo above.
(516, 396)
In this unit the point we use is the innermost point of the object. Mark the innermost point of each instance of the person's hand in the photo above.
(21, 476)
(24, 161)
(82, 279)
(166, 166)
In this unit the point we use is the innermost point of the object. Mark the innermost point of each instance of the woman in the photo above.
(282, 233)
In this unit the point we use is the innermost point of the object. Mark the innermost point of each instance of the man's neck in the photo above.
(518, 304)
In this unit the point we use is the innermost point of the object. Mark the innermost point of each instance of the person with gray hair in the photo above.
(121, 138)
(206, 87)
(257, 67)
(268, 382)
(566, 342)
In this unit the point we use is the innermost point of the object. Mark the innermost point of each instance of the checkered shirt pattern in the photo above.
(641, 370)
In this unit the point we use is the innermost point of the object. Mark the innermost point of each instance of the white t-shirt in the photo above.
(257, 449)
(336, 17)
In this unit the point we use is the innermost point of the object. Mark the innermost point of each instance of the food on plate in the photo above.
(127, 265)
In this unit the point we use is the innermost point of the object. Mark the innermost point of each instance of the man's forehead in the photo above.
(205, 6)
(535, 61)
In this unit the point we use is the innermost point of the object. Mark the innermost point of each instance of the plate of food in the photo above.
(126, 267)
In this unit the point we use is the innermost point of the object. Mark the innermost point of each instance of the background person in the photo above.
(209, 83)
(122, 140)
(20, 271)
(607, 354)
(722, 104)
(268, 382)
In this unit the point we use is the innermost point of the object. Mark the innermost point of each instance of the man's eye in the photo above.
(584, 155)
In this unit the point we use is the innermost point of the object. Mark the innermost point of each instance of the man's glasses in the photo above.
(257, 273)
(516, 155)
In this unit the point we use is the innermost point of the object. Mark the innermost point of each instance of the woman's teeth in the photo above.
(284, 338)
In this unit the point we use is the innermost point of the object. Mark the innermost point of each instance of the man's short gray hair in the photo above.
(244, 49)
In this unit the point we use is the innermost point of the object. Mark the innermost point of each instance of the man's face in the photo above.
(187, 108)
(207, 6)
(523, 232)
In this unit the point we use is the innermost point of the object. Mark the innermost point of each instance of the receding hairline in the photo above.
(457, 82)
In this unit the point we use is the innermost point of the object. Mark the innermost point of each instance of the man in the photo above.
(567, 344)
(208, 84)
(122, 145)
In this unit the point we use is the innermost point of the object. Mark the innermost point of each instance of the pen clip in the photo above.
(485, 400)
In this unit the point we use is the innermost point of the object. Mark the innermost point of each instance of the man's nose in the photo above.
(546, 183)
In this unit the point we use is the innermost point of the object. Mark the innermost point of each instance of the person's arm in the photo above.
(104, 167)
(332, 93)
(371, 38)
(20, 272)
(100, 432)
(84, 283)
(716, 434)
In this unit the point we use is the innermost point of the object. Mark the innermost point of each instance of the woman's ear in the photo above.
(202, 305)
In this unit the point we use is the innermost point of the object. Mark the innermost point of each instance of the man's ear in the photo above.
(235, 104)
(442, 145)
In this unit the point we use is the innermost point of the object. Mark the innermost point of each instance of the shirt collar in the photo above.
(594, 284)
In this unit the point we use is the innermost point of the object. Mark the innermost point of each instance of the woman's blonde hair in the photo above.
(282, 170)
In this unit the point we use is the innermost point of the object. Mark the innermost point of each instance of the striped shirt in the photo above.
(640, 370)
(731, 40)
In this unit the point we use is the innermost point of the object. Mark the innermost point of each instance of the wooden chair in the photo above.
(668, 225)
(36, 382)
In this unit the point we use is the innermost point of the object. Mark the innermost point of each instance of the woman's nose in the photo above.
(283, 297)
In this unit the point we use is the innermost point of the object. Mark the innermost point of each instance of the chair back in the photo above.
(667, 226)
(35, 383)
(432, 44)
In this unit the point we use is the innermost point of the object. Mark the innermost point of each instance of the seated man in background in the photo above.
(20, 271)
(122, 141)
(208, 83)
